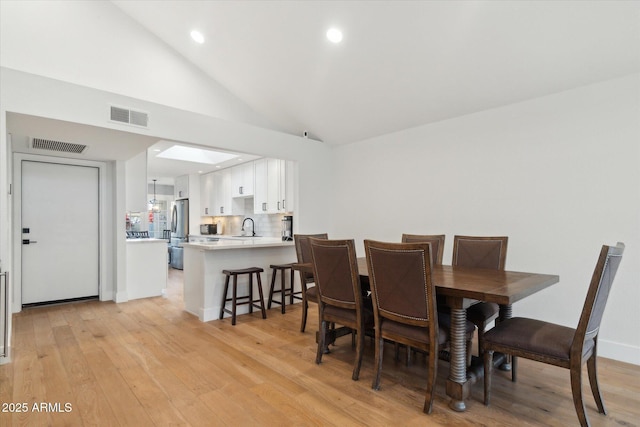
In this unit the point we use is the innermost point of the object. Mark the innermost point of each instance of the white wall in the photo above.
(560, 175)
(94, 44)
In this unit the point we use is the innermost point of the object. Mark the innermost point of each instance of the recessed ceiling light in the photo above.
(334, 35)
(197, 36)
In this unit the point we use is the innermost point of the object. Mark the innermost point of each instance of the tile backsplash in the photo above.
(268, 225)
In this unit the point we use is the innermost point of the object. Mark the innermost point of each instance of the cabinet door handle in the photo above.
(284, 206)
(221, 209)
(264, 206)
(278, 205)
(206, 211)
(240, 190)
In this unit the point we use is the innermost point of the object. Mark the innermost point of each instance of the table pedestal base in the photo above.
(459, 391)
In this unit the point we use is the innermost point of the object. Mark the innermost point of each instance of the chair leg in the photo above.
(514, 368)
(481, 328)
(593, 381)
(576, 390)
(303, 323)
(379, 354)
(359, 353)
(431, 379)
(321, 341)
(488, 364)
(305, 304)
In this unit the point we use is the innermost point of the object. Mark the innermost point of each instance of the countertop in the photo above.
(147, 240)
(229, 242)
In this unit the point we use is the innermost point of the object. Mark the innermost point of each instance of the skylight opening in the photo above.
(195, 155)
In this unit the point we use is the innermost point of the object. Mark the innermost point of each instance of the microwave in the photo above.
(208, 229)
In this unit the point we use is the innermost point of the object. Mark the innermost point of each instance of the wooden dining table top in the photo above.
(498, 286)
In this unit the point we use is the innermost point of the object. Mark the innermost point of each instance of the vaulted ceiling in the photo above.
(400, 64)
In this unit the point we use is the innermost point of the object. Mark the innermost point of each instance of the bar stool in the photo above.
(247, 299)
(284, 291)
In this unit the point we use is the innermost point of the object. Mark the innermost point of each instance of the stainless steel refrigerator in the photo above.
(179, 232)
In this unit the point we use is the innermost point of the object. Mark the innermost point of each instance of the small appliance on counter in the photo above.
(287, 228)
(208, 229)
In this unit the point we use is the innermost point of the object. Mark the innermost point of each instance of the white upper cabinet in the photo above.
(242, 179)
(273, 191)
(287, 177)
(207, 195)
(223, 202)
(181, 187)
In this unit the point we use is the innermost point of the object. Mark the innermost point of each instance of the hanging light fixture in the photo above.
(154, 202)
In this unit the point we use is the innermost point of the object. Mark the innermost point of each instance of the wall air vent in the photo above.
(124, 115)
(65, 147)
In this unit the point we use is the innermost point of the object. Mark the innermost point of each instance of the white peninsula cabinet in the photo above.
(204, 262)
(273, 192)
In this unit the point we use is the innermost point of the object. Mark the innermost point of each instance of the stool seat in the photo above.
(284, 291)
(240, 300)
(248, 270)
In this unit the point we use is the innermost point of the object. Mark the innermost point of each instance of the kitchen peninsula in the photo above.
(204, 262)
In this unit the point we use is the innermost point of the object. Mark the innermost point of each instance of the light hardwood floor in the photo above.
(147, 362)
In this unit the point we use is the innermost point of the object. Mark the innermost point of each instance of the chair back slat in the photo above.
(480, 252)
(335, 270)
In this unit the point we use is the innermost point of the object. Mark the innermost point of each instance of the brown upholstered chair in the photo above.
(404, 305)
(309, 293)
(559, 345)
(340, 299)
(436, 240)
(481, 252)
(437, 251)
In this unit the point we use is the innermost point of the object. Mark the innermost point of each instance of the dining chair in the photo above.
(303, 252)
(404, 305)
(437, 251)
(340, 298)
(436, 240)
(481, 252)
(560, 345)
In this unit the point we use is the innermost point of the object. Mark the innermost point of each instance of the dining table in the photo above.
(463, 287)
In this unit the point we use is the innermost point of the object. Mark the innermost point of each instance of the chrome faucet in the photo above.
(253, 226)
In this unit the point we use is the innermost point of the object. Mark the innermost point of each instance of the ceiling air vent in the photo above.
(124, 115)
(65, 147)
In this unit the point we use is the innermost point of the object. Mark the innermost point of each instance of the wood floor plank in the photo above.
(148, 362)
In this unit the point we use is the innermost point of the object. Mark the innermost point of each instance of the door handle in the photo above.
(28, 242)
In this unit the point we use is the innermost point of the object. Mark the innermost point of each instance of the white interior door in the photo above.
(60, 232)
